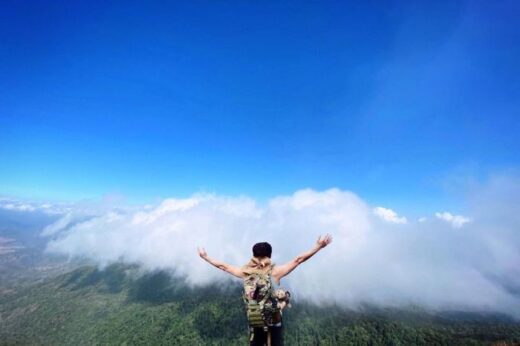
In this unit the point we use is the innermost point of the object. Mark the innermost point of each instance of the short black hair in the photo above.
(262, 250)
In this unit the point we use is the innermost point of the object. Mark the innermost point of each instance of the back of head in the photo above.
(262, 250)
(261, 260)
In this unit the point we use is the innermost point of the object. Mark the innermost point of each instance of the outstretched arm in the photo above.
(235, 271)
(283, 270)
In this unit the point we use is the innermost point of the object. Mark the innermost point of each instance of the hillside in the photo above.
(122, 305)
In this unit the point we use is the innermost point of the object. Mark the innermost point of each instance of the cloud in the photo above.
(166, 236)
(389, 215)
(18, 206)
(457, 221)
(423, 263)
(59, 225)
(24, 206)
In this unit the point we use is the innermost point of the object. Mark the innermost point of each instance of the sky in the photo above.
(147, 100)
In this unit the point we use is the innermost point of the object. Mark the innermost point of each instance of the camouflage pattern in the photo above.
(261, 304)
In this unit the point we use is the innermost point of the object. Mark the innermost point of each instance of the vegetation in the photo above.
(121, 305)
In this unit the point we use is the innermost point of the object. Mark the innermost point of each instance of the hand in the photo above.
(202, 253)
(321, 243)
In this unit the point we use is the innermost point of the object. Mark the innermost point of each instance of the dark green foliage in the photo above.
(119, 305)
(153, 288)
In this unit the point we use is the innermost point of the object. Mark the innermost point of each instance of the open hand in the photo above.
(202, 253)
(321, 243)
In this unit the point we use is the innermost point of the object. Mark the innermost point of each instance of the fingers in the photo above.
(325, 241)
(328, 238)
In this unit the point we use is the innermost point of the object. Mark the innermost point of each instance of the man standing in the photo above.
(260, 266)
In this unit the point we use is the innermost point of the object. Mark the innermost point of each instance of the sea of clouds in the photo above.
(440, 261)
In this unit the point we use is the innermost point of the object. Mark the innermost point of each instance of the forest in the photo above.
(125, 305)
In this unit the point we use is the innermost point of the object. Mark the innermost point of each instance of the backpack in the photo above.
(261, 303)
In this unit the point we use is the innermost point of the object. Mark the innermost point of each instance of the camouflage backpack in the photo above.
(261, 303)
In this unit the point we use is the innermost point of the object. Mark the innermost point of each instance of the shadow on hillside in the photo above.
(155, 287)
(112, 279)
(161, 287)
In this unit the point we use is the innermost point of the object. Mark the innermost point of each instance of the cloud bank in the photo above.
(11, 204)
(377, 256)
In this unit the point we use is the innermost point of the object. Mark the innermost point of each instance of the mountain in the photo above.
(22, 250)
(122, 304)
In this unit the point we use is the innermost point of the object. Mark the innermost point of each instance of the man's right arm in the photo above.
(280, 271)
(235, 271)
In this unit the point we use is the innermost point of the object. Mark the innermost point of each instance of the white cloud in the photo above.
(456, 221)
(368, 261)
(59, 225)
(24, 206)
(18, 206)
(389, 215)
(422, 219)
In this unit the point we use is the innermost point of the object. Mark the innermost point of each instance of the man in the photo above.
(262, 261)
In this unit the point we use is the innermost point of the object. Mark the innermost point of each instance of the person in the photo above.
(261, 260)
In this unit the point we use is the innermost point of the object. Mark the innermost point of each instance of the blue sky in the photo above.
(159, 99)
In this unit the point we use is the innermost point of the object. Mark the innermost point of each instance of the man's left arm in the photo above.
(285, 269)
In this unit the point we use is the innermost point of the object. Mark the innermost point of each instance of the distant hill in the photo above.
(123, 305)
